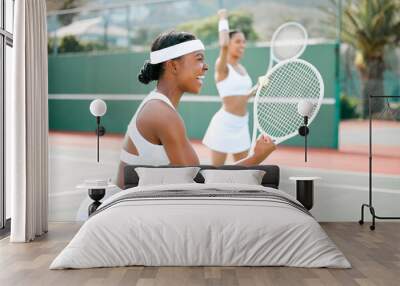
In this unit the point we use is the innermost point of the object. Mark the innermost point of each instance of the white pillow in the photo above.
(248, 177)
(166, 176)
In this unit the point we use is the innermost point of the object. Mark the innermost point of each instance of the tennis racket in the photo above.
(288, 42)
(281, 96)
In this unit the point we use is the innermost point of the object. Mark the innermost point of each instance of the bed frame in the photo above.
(270, 179)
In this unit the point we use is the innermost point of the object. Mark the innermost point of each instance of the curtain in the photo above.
(27, 124)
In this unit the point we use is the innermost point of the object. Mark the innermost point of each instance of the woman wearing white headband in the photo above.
(228, 131)
(156, 134)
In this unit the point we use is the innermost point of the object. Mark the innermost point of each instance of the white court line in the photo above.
(110, 162)
(137, 97)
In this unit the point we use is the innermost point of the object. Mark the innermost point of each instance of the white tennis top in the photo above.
(235, 84)
(149, 153)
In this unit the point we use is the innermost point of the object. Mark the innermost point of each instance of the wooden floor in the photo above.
(375, 257)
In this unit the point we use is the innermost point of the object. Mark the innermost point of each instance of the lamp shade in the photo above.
(98, 107)
(305, 108)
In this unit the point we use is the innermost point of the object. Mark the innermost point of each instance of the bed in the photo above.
(199, 224)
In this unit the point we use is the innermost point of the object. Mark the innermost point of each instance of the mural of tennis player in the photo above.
(156, 135)
(228, 132)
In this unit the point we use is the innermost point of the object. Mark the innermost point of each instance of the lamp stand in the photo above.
(98, 136)
(303, 131)
(100, 131)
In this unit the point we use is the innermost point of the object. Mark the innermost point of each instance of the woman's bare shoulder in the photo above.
(158, 112)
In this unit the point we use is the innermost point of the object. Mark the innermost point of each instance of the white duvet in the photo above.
(200, 231)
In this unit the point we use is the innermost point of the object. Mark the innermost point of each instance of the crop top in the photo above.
(234, 84)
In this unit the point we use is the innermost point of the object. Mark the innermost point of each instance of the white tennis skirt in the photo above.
(228, 133)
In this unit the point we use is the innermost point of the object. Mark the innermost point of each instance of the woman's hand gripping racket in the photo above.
(281, 94)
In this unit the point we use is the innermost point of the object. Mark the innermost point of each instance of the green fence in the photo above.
(77, 78)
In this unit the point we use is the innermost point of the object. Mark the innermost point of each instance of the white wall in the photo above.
(338, 195)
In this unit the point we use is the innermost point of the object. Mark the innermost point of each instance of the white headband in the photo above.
(175, 51)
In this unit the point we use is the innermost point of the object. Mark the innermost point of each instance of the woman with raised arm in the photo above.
(228, 132)
(156, 134)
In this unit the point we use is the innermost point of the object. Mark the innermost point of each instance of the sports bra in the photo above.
(235, 84)
(148, 153)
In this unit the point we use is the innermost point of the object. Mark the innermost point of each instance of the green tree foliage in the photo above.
(206, 29)
(348, 107)
(371, 26)
(70, 44)
(50, 45)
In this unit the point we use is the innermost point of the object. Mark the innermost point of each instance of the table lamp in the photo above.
(98, 108)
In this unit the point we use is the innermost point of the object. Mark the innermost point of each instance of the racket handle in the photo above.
(303, 131)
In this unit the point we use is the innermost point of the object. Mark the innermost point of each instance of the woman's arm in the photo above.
(164, 126)
(177, 145)
(261, 80)
(252, 91)
(262, 149)
(170, 130)
(221, 68)
(120, 175)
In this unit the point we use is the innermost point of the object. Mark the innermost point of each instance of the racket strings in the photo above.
(277, 101)
(269, 120)
(273, 125)
(288, 120)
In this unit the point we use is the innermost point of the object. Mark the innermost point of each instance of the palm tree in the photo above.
(371, 26)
